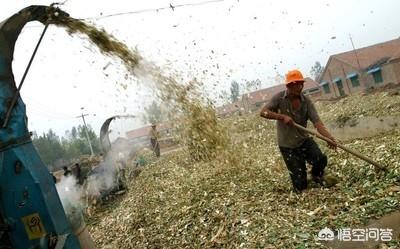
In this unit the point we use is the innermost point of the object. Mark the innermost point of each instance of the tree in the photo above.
(279, 78)
(52, 149)
(253, 85)
(49, 147)
(153, 113)
(93, 139)
(317, 70)
(234, 91)
(76, 143)
(224, 96)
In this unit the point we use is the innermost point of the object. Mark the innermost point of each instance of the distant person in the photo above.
(154, 135)
(77, 173)
(121, 174)
(67, 172)
(289, 107)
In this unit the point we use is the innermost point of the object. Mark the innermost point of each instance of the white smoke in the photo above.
(106, 177)
(68, 190)
(71, 196)
(103, 180)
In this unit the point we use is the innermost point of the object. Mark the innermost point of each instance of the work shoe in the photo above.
(330, 181)
(326, 181)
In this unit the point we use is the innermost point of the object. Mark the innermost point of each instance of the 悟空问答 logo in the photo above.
(326, 234)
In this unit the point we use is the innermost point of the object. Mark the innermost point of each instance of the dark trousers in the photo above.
(296, 159)
(155, 146)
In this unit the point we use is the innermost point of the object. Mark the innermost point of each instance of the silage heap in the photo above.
(194, 115)
(242, 198)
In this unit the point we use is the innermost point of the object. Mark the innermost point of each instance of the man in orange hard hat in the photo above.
(289, 107)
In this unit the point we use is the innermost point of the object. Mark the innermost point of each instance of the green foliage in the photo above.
(317, 70)
(253, 85)
(234, 91)
(74, 144)
(153, 113)
(49, 147)
(224, 96)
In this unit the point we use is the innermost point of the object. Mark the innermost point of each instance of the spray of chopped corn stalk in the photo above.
(200, 129)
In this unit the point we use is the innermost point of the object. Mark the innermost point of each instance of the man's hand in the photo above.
(265, 113)
(333, 145)
(287, 120)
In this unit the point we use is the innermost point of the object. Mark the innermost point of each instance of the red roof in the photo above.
(370, 55)
(261, 96)
(144, 131)
(140, 132)
(266, 94)
(228, 108)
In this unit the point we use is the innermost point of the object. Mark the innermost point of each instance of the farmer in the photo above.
(154, 135)
(78, 173)
(297, 148)
(67, 172)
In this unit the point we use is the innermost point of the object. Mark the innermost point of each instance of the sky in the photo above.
(216, 42)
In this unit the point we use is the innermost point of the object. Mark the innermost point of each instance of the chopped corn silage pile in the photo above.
(358, 106)
(243, 197)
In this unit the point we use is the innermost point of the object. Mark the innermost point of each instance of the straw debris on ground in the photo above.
(243, 198)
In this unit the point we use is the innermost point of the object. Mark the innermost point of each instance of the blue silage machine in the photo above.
(31, 213)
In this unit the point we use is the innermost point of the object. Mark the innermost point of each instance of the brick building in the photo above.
(140, 136)
(354, 71)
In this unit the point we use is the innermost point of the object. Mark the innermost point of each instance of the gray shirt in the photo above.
(289, 136)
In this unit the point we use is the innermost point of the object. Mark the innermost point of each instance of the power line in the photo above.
(172, 7)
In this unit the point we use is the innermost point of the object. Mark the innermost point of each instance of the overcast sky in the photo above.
(215, 42)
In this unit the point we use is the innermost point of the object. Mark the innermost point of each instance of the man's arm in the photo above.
(269, 111)
(268, 114)
(319, 125)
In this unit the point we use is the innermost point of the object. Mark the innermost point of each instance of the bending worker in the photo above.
(297, 148)
(154, 135)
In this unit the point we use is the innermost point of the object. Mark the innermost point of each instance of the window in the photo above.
(326, 88)
(377, 77)
(377, 74)
(355, 82)
(313, 90)
(339, 85)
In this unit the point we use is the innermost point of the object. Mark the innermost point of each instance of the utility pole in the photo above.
(358, 63)
(86, 131)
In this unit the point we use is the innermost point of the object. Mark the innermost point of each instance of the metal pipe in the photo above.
(16, 95)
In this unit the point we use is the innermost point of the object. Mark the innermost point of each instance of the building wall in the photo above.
(338, 69)
(335, 70)
(394, 71)
(388, 75)
(315, 95)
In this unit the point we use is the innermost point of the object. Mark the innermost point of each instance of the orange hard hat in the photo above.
(294, 75)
